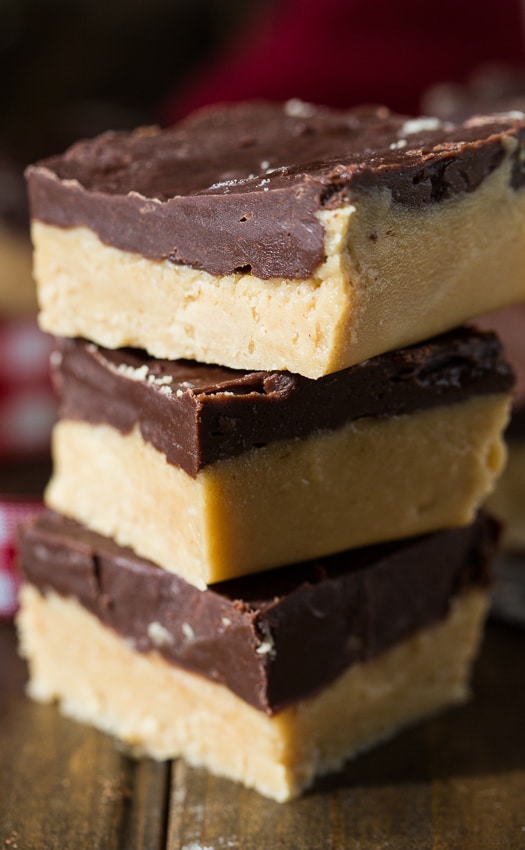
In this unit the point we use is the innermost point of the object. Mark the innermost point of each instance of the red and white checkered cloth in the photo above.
(12, 511)
(27, 412)
(27, 406)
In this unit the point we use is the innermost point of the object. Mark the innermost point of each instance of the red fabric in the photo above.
(345, 52)
(12, 512)
(27, 410)
(27, 406)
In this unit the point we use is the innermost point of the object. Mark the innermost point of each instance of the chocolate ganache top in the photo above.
(271, 638)
(236, 188)
(196, 414)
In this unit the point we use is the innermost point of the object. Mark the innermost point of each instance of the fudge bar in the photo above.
(288, 237)
(272, 679)
(214, 473)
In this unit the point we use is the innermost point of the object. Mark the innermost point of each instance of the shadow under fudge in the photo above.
(272, 638)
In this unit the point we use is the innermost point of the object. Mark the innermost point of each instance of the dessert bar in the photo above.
(214, 473)
(285, 237)
(270, 680)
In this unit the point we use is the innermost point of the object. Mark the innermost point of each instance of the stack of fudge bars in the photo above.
(262, 549)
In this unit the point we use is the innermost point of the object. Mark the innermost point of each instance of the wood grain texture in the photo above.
(454, 783)
(63, 785)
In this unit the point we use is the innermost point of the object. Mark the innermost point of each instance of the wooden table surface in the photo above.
(454, 783)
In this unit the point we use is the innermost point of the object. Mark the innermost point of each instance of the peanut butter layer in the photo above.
(372, 480)
(197, 414)
(273, 638)
(280, 238)
(164, 712)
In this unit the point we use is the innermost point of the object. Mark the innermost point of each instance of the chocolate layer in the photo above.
(237, 188)
(196, 414)
(274, 637)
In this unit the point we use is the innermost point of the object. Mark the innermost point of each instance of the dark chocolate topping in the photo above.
(271, 638)
(237, 188)
(196, 414)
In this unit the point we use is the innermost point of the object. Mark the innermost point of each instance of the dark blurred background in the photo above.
(71, 68)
